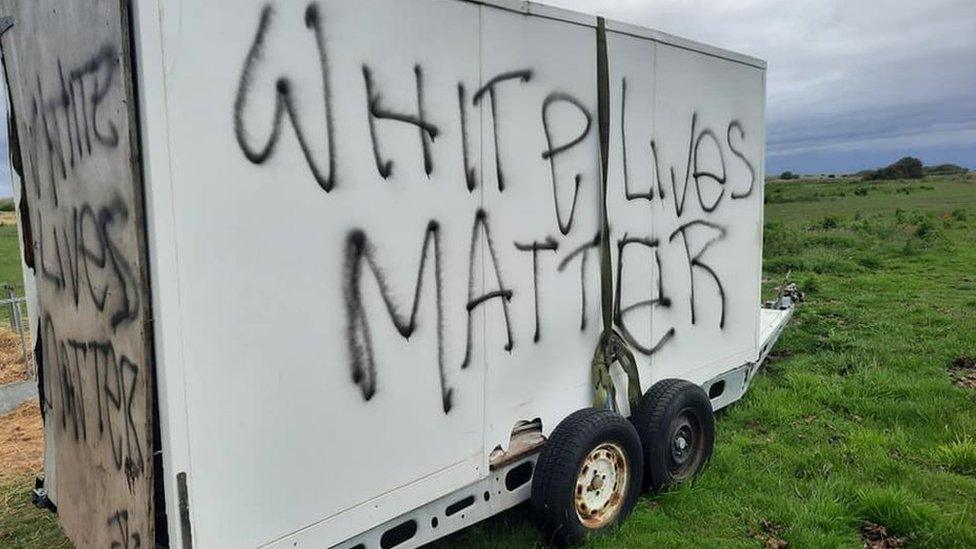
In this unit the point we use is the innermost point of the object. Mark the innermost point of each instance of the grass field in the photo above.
(857, 429)
(10, 271)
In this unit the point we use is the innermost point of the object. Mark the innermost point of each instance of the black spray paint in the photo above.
(535, 247)
(583, 253)
(649, 195)
(696, 261)
(359, 251)
(503, 294)
(659, 300)
(284, 103)
(489, 89)
(375, 111)
(551, 152)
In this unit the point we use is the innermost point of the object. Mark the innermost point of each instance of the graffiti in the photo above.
(660, 300)
(583, 253)
(111, 377)
(501, 293)
(124, 537)
(89, 257)
(82, 214)
(735, 124)
(359, 252)
(69, 119)
(535, 247)
(469, 174)
(488, 89)
(695, 260)
(284, 104)
(694, 171)
(654, 185)
(428, 132)
(649, 195)
(551, 152)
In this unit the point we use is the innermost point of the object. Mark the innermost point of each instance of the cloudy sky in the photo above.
(852, 84)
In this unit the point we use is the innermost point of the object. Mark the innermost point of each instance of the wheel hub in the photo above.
(685, 445)
(681, 444)
(601, 485)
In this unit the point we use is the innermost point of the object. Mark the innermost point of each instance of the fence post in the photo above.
(18, 322)
(9, 290)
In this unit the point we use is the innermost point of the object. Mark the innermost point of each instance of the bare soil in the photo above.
(21, 442)
(876, 536)
(12, 366)
(963, 371)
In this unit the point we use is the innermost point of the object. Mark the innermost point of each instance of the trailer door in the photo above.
(69, 76)
(322, 225)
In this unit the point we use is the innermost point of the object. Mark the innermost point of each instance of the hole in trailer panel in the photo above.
(398, 534)
(459, 505)
(518, 476)
(716, 389)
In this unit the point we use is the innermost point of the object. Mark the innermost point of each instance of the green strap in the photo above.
(611, 347)
(603, 116)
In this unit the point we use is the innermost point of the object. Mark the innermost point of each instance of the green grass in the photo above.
(854, 419)
(807, 200)
(10, 270)
(21, 524)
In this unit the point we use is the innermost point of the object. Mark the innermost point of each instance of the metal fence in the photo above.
(16, 358)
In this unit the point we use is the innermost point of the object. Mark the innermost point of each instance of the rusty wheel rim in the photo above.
(601, 485)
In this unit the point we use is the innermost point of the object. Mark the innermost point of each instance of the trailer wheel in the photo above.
(588, 476)
(676, 426)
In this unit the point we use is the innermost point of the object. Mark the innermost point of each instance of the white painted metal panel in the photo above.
(283, 258)
(708, 133)
(546, 371)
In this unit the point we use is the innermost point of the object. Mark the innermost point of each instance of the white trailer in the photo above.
(323, 273)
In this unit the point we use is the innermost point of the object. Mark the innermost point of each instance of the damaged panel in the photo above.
(69, 73)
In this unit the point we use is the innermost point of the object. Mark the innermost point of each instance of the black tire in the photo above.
(674, 409)
(560, 469)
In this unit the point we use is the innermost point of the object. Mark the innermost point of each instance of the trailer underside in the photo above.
(509, 482)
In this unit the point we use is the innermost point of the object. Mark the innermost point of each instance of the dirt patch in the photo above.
(876, 536)
(769, 533)
(8, 219)
(963, 371)
(21, 442)
(12, 366)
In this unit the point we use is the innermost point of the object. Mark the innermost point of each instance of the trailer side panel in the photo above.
(69, 72)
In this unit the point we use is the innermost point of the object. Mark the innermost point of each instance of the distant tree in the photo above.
(788, 175)
(944, 169)
(906, 168)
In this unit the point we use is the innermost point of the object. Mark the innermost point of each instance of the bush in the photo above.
(906, 168)
(944, 169)
(788, 175)
(829, 222)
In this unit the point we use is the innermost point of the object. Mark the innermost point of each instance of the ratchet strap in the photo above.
(611, 347)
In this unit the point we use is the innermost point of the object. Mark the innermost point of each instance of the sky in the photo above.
(851, 84)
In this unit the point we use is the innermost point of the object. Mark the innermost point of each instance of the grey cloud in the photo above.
(865, 74)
